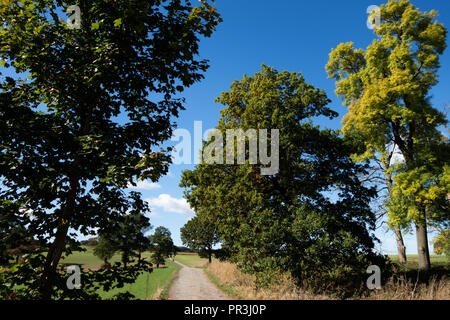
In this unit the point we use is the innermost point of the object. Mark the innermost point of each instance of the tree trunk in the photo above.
(209, 250)
(401, 249)
(422, 245)
(407, 149)
(400, 245)
(125, 262)
(51, 263)
(57, 247)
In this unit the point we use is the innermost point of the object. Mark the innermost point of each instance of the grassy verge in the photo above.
(242, 286)
(164, 294)
(233, 293)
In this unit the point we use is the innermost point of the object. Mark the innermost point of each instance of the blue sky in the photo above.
(287, 35)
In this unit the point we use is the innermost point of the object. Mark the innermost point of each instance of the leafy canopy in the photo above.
(82, 113)
(200, 234)
(312, 218)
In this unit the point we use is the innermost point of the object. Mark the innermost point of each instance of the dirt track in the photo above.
(193, 284)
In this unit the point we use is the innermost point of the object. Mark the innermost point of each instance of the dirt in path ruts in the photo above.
(193, 284)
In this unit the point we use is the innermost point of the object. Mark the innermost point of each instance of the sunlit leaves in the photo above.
(386, 88)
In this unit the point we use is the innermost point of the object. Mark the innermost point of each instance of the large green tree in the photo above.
(161, 245)
(105, 249)
(312, 217)
(200, 234)
(386, 88)
(128, 236)
(82, 112)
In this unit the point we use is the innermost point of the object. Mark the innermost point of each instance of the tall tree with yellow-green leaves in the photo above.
(386, 88)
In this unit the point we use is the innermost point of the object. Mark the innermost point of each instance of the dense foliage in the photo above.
(200, 234)
(442, 243)
(82, 113)
(312, 218)
(161, 245)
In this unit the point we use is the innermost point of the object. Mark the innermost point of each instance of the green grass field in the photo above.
(88, 260)
(191, 260)
(412, 260)
(158, 279)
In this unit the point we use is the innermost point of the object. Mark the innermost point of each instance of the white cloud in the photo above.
(144, 185)
(154, 214)
(171, 204)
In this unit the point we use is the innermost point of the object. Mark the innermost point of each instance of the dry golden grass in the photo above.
(403, 289)
(242, 287)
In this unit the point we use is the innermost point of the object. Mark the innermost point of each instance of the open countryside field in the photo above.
(88, 260)
(191, 260)
(412, 259)
(142, 289)
(158, 280)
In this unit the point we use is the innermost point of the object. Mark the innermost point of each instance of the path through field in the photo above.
(193, 284)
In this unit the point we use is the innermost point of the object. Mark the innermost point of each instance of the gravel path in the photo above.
(193, 284)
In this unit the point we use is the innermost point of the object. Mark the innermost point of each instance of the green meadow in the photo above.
(191, 260)
(412, 261)
(146, 285)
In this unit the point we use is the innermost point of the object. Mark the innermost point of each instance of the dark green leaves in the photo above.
(64, 155)
(311, 219)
